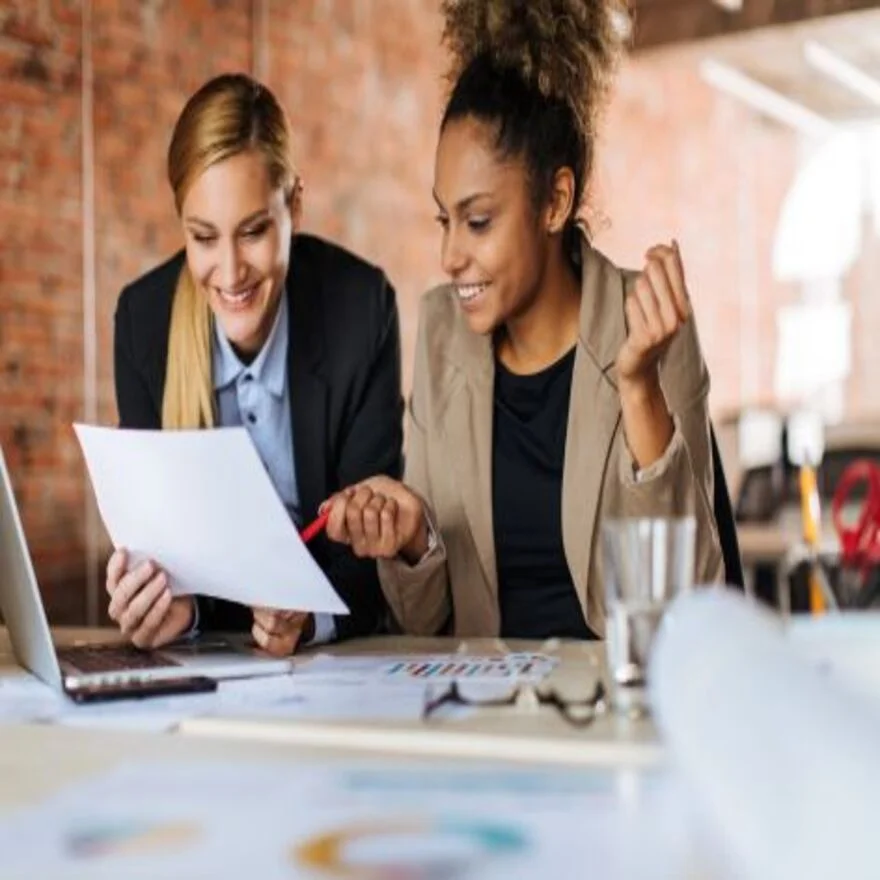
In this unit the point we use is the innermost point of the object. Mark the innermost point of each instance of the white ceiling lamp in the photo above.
(842, 71)
(764, 100)
(820, 226)
(729, 5)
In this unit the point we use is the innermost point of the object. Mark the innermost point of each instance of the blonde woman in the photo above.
(257, 324)
(551, 388)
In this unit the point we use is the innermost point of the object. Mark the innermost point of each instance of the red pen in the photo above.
(315, 527)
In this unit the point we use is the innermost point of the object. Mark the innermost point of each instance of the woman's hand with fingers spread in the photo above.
(142, 605)
(379, 518)
(656, 308)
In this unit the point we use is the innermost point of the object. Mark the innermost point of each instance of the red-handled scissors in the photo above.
(859, 541)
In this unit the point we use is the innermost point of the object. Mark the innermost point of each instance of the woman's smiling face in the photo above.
(493, 248)
(237, 228)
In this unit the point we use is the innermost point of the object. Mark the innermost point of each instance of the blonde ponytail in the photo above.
(188, 399)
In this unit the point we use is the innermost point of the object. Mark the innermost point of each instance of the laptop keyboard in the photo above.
(112, 658)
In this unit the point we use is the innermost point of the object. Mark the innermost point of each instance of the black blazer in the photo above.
(345, 396)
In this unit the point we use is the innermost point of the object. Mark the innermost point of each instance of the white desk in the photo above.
(537, 735)
(38, 760)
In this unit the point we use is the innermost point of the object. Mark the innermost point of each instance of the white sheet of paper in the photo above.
(201, 504)
(377, 819)
(286, 696)
(844, 646)
(518, 667)
(24, 698)
(155, 715)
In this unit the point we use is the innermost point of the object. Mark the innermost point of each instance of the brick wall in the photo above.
(41, 359)
(360, 80)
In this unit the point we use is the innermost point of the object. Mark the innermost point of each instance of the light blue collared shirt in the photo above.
(257, 396)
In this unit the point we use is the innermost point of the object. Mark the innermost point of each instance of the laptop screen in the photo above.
(20, 599)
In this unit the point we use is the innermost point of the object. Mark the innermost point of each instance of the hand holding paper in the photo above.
(142, 605)
(201, 505)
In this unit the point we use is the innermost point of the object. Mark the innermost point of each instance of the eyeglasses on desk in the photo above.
(577, 712)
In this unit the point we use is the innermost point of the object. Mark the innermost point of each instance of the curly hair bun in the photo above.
(567, 49)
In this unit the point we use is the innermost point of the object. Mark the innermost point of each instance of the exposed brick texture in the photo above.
(361, 80)
(41, 360)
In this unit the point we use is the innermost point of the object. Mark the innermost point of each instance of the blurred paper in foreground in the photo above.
(782, 756)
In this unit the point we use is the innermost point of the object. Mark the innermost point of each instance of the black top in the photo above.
(536, 594)
(344, 386)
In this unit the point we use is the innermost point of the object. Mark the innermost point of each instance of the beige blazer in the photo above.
(449, 460)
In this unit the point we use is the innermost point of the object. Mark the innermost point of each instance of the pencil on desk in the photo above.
(810, 515)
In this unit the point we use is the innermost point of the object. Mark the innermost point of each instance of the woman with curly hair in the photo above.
(551, 388)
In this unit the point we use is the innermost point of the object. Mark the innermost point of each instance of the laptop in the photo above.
(86, 668)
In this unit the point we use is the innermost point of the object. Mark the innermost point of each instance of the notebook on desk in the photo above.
(85, 667)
